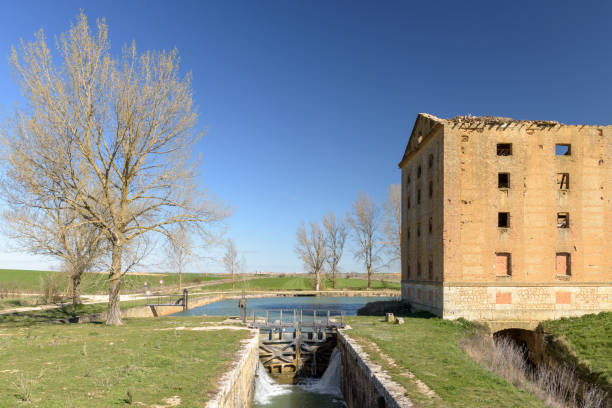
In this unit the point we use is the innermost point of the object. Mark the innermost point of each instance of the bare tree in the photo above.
(113, 140)
(335, 237)
(364, 222)
(57, 232)
(230, 260)
(392, 225)
(179, 251)
(310, 247)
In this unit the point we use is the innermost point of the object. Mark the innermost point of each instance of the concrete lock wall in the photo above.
(237, 386)
(365, 384)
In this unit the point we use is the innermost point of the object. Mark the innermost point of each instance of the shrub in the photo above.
(50, 286)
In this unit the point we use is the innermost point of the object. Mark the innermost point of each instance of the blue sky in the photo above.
(308, 102)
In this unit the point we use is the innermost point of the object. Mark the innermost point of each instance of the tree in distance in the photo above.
(335, 238)
(53, 230)
(364, 222)
(392, 225)
(113, 141)
(230, 260)
(310, 247)
(179, 250)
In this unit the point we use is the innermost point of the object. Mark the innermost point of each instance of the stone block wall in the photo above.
(237, 386)
(365, 384)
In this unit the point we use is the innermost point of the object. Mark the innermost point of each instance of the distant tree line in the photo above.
(374, 231)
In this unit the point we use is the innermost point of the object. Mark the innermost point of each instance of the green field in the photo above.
(92, 365)
(429, 348)
(305, 282)
(585, 342)
(30, 281)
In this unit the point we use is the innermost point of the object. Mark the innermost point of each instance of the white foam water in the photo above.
(266, 388)
(331, 381)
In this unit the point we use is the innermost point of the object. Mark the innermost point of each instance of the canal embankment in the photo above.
(237, 385)
(365, 383)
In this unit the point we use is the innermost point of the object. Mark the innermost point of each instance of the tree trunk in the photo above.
(114, 285)
(232, 280)
(334, 278)
(317, 280)
(369, 277)
(179, 278)
(76, 289)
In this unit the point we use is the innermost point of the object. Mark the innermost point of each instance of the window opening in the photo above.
(430, 189)
(562, 263)
(504, 149)
(430, 164)
(408, 201)
(503, 220)
(419, 171)
(562, 220)
(563, 181)
(430, 270)
(418, 230)
(430, 225)
(563, 149)
(418, 269)
(503, 180)
(418, 196)
(503, 266)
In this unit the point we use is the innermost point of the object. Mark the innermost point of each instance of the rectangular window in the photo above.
(419, 196)
(418, 230)
(563, 181)
(503, 220)
(503, 180)
(562, 220)
(430, 164)
(563, 149)
(504, 149)
(503, 265)
(562, 265)
(430, 270)
(408, 271)
(430, 225)
(419, 171)
(431, 189)
(418, 269)
(408, 201)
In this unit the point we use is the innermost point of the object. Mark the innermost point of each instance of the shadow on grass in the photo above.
(61, 314)
(397, 307)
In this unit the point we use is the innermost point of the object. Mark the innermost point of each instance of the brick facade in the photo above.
(505, 219)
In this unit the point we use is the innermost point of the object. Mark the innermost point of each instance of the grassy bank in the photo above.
(305, 282)
(584, 342)
(429, 348)
(92, 365)
(30, 281)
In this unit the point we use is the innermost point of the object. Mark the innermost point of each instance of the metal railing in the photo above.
(159, 299)
(276, 318)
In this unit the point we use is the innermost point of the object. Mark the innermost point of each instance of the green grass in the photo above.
(93, 365)
(585, 342)
(305, 282)
(96, 283)
(429, 348)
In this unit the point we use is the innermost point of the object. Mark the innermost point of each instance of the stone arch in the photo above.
(527, 340)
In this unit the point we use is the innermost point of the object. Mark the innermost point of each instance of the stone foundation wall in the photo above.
(524, 302)
(237, 386)
(365, 384)
(423, 296)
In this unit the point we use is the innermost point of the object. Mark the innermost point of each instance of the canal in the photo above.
(324, 392)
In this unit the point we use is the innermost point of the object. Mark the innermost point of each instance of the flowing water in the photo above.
(325, 392)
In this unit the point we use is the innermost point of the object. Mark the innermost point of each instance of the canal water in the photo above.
(324, 392)
(348, 304)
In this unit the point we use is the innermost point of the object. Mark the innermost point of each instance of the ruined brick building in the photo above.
(507, 220)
